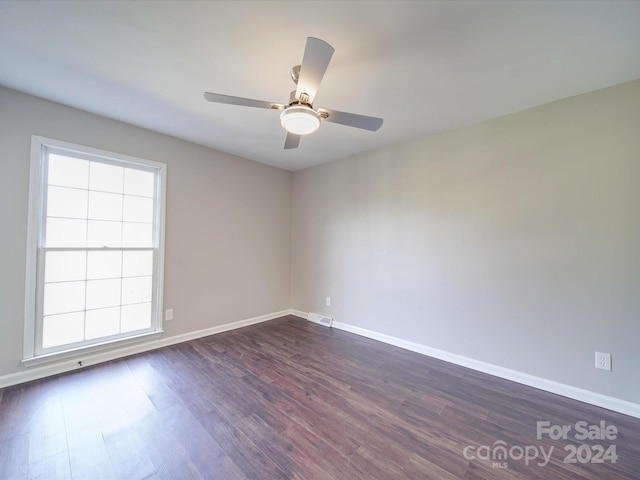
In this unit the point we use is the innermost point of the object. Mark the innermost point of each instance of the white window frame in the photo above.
(32, 349)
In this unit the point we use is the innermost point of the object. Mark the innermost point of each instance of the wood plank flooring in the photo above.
(288, 399)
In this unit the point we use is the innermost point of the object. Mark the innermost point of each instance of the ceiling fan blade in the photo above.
(292, 141)
(244, 102)
(352, 119)
(317, 55)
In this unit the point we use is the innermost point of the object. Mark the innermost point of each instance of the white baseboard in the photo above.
(597, 399)
(611, 403)
(54, 368)
(299, 313)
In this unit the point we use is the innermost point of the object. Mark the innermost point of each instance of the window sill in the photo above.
(89, 350)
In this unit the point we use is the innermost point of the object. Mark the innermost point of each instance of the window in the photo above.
(95, 253)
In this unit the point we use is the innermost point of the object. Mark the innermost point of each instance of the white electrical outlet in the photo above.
(328, 301)
(603, 361)
(168, 314)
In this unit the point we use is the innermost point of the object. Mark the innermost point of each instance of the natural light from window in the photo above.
(97, 250)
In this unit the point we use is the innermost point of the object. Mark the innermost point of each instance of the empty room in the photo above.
(324, 240)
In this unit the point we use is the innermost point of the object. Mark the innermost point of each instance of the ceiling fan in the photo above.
(298, 117)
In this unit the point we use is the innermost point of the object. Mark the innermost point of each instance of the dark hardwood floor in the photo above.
(290, 399)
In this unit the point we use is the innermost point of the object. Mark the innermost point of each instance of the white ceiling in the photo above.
(424, 66)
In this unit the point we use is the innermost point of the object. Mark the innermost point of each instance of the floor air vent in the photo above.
(320, 319)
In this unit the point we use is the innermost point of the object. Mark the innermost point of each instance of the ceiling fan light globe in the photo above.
(300, 120)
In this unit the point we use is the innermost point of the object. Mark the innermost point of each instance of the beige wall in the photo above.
(228, 221)
(514, 242)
